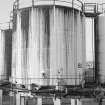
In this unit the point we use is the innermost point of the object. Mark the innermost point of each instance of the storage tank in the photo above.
(100, 48)
(48, 42)
(5, 53)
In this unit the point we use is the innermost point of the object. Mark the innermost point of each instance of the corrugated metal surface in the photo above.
(100, 48)
(48, 43)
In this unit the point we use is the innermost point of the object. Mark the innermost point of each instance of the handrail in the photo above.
(98, 8)
(78, 3)
(93, 7)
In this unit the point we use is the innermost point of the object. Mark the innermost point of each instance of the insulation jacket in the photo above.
(49, 46)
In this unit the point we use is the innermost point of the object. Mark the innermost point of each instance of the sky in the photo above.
(7, 5)
(5, 9)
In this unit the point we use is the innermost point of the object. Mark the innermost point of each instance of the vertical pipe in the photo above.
(96, 49)
(93, 54)
(2, 54)
(74, 43)
(32, 32)
(18, 50)
(83, 46)
(54, 35)
(14, 47)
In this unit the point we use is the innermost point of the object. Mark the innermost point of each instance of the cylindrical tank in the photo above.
(5, 53)
(48, 44)
(100, 48)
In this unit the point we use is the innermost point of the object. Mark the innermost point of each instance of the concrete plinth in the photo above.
(66, 101)
(18, 100)
(22, 100)
(1, 94)
(79, 102)
(72, 101)
(39, 101)
(47, 101)
(57, 101)
(35, 101)
(89, 101)
(76, 102)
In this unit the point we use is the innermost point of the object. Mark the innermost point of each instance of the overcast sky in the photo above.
(5, 8)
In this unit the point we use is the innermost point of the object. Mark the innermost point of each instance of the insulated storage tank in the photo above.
(100, 48)
(48, 42)
(5, 53)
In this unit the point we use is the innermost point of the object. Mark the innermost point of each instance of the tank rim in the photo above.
(77, 4)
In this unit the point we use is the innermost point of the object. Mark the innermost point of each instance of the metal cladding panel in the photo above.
(100, 47)
(49, 46)
(5, 54)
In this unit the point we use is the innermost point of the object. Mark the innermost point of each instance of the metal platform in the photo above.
(93, 9)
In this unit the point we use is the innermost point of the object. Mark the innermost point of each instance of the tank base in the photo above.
(1, 94)
(91, 101)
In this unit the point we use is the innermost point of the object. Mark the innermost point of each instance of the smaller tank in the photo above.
(100, 48)
(5, 53)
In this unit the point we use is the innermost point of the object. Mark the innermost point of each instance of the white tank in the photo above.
(5, 54)
(48, 45)
(100, 48)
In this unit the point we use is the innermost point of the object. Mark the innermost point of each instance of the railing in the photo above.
(94, 8)
(5, 25)
(78, 4)
(90, 7)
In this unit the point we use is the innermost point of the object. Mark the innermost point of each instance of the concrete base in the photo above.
(35, 101)
(18, 100)
(47, 101)
(57, 101)
(22, 100)
(76, 102)
(89, 101)
(72, 101)
(103, 102)
(1, 95)
(65, 101)
(39, 101)
(79, 102)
